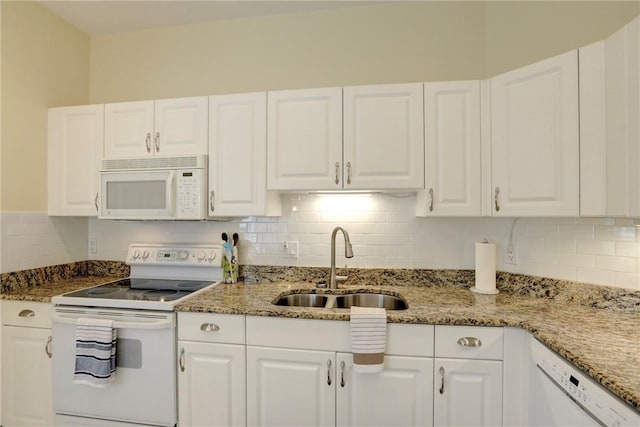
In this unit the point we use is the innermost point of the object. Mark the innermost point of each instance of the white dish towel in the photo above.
(95, 352)
(368, 328)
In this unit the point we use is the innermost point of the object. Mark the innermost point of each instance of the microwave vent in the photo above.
(178, 162)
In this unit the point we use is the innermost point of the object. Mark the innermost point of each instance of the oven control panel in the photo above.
(174, 255)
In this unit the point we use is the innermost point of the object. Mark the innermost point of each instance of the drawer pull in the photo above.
(27, 313)
(209, 327)
(47, 347)
(469, 342)
(181, 360)
(441, 389)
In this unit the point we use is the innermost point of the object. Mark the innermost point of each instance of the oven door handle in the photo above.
(118, 324)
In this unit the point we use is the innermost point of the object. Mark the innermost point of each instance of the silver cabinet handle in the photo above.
(26, 313)
(431, 203)
(147, 142)
(348, 172)
(495, 199)
(209, 327)
(95, 202)
(441, 380)
(329, 372)
(47, 347)
(469, 342)
(212, 200)
(181, 360)
(157, 141)
(337, 173)
(342, 373)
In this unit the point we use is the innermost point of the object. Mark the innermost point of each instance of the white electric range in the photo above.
(143, 391)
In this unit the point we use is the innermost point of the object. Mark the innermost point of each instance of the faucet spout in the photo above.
(348, 253)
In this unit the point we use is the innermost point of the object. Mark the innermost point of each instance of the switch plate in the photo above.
(93, 246)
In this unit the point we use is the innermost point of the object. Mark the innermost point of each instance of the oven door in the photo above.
(144, 388)
(138, 194)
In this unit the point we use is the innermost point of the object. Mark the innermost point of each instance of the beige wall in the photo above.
(390, 42)
(45, 63)
(522, 32)
(360, 45)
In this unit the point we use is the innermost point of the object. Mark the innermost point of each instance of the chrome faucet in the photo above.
(348, 253)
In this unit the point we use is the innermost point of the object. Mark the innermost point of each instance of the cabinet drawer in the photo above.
(211, 327)
(469, 342)
(26, 313)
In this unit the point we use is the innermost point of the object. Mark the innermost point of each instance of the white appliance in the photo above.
(563, 396)
(172, 188)
(141, 306)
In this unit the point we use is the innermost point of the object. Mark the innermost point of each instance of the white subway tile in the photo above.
(627, 249)
(615, 233)
(577, 260)
(598, 277)
(543, 230)
(613, 263)
(597, 247)
(627, 280)
(576, 231)
(557, 271)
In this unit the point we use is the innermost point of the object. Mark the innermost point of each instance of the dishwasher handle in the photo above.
(146, 323)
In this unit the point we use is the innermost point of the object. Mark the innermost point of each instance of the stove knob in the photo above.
(184, 255)
(212, 256)
(136, 254)
(201, 256)
(145, 254)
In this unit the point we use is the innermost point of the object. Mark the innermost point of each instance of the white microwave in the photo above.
(171, 188)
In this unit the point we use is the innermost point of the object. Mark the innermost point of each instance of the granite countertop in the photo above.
(593, 327)
(602, 342)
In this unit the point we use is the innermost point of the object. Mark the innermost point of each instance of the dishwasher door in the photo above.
(562, 395)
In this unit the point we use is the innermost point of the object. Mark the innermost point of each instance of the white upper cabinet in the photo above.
(238, 156)
(304, 139)
(166, 127)
(381, 147)
(383, 137)
(452, 150)
(610, 125)
(74, 145)
(534, 139)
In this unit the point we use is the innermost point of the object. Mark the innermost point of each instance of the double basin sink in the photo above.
(359, 299)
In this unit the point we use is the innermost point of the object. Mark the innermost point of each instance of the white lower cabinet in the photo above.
(290, 387)
(467, 393)
(398, 396)
(211, 374)
(27, 393)
(468, 377)
(300, 372)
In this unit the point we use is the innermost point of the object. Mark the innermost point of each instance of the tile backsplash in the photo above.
(383, 230)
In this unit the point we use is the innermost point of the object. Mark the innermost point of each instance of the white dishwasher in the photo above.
(564, 396)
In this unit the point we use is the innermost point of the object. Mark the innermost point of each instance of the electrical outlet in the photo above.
(511, 257)
(291, 248)
(93, 246)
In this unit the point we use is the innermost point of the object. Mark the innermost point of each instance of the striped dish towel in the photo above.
(95, 352)
(368, 328)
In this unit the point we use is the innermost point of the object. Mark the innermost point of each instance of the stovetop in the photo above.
(161, 276)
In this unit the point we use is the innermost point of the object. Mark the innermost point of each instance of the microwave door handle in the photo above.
(171, 194)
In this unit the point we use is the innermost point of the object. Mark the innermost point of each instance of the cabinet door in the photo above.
(290, 387)
(401, 395)
(27, 394)
(384, 137)
(238, 155)
(452, 149)
(467, 392)
(181, 126)
(211, 384)
(76, 135)
(304, 139)
(128, 129)
(534, 141)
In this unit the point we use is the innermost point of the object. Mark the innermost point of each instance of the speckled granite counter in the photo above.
(594, 327)
(40, 284)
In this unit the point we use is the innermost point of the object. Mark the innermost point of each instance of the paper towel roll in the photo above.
(485, 268)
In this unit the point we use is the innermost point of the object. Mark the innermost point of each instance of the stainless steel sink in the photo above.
(303, 300)
(360, 299)
(389, 302)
